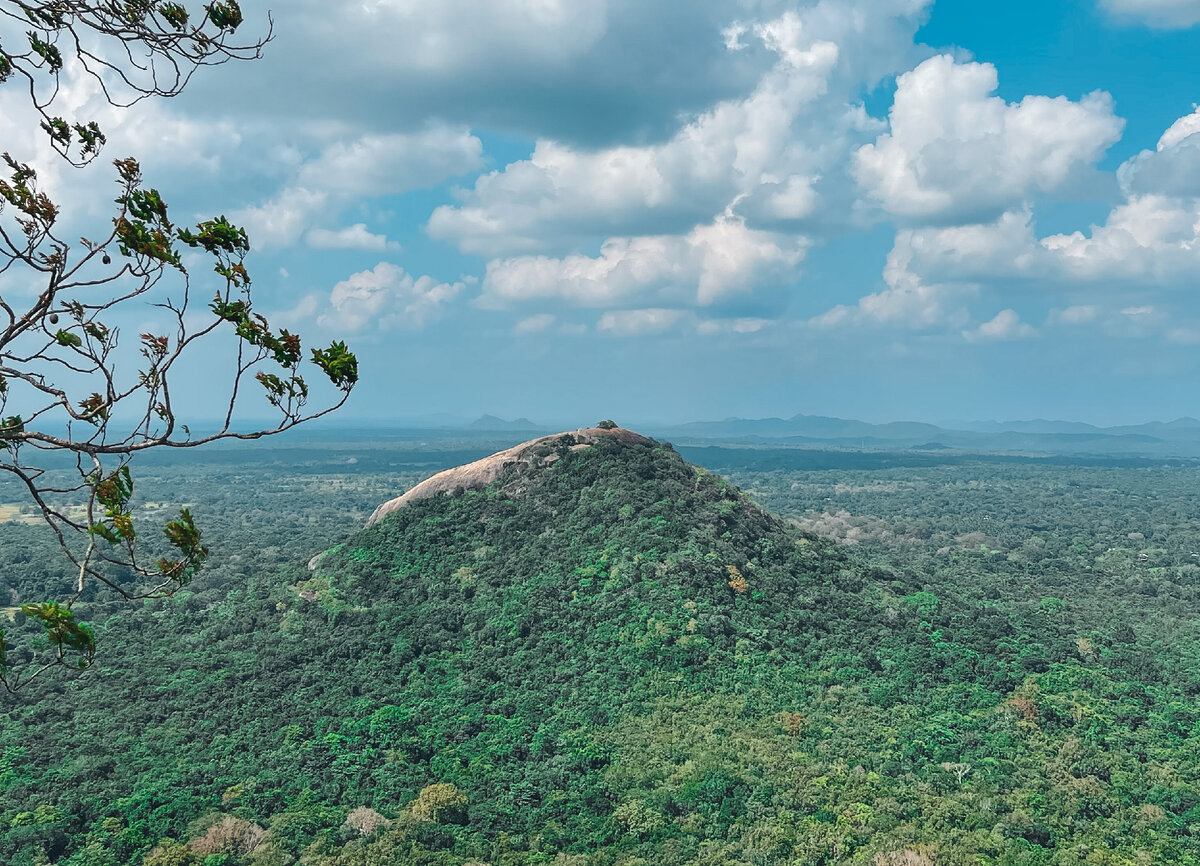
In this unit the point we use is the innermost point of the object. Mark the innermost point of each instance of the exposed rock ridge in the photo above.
(481, 473)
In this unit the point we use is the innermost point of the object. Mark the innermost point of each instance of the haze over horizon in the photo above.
(540, 423)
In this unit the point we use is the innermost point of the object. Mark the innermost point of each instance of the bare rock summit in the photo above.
(534, 454)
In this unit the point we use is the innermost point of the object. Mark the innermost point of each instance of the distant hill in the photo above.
(492, 423)
(1179, 438)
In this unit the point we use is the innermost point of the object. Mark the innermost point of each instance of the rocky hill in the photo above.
(518, 460)
(586, 651)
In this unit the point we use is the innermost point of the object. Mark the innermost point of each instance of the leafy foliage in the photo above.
(65, 385)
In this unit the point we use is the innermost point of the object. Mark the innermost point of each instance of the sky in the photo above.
(693, 209)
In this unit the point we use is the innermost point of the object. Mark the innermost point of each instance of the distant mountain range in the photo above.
(492, 423)
(1180, 437)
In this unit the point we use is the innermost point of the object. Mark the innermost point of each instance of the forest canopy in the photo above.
(624, 659)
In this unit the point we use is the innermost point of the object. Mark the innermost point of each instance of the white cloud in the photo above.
(1183, 128)
(384, 297)
(535, 324)
(377, 165)
(304, 310)
(1005, 247)
(780, 149)
(1136, 321)
(955, 151)
(711, 264)
(1166, 14)
(1007, 325)
(355, 237)
(1173, 167)
(1078, 314)
(636, 323)
(181, 152)
(415, 35)
(909, 300)
(1189, 336)
(739, 148)
(281, 221)
(369, 166)
(585, 71)
(1149, 243)
(1151, 239)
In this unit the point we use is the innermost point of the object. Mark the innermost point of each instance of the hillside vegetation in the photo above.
(614, 658)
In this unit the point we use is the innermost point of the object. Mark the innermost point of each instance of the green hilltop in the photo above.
(602, 655)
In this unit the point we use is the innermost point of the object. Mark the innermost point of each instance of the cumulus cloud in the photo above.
(368, 166)
(779, 147)
(383, 298)
(1007, 325)
(1148, 244)
(281, 221)
(636, 323)
(376, 165)
(741, 147)
(954, 151)
(355, 237)
(1149, 241)
(1003, 248)
(535, 324)
(1165, 14)
(1173, 167)
(711, 264)
(1181, 129)
(179, 151)
(576, 70)
(1077, 314)
(909, 299)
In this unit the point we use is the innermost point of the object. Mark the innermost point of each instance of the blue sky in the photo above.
(665, 211)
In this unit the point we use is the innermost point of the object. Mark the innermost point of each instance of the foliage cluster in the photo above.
(68, 383)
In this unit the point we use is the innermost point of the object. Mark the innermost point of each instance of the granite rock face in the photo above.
(530, 455)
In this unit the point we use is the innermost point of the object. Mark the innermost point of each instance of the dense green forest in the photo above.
(876, 658)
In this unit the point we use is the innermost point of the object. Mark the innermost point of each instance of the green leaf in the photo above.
(11, 426)
(339, 364)
(104, 532)
(185, 537)
(62, 628)
(217, 235)
(226, 15)
(175, 14)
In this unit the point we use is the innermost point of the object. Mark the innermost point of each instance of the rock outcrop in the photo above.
(532, 454)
